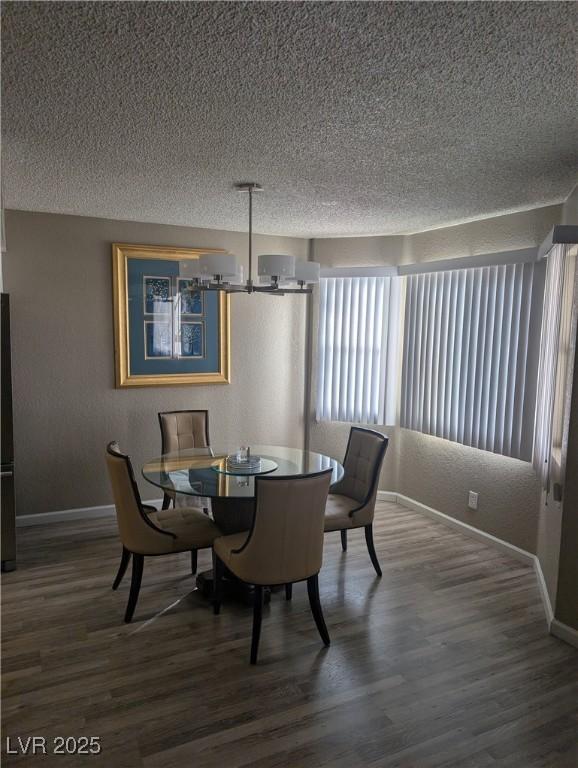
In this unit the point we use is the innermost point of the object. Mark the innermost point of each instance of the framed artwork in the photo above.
(166, 330)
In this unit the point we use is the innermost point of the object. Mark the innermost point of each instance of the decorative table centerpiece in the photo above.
(243, 463)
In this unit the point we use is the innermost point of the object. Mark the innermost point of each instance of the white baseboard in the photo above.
(63, 515)
(564, 632)
(555, 627)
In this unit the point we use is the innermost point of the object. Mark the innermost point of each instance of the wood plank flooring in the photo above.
(444, 662)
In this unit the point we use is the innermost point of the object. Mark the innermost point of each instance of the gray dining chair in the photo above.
(351, 503)
(283, 546)
(154, 533)
(181, 430)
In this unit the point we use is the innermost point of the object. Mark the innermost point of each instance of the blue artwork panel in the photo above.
(191, 299)
(157, 295)
(155, 345)
(159, 339)
(192, 339)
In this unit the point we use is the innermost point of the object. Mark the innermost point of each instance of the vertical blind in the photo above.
(358, 349)
(555, 351)
(465, 357)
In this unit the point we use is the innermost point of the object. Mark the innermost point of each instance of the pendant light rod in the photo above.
(250, 276)
(250, 187)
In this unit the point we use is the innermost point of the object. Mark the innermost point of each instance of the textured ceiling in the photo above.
(357, 118)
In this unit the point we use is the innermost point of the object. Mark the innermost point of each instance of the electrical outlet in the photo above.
(473, 500)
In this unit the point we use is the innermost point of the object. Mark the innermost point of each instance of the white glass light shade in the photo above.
(306, 271)
(276, 265)
(239, 278)
(192, 269)
(223, 264)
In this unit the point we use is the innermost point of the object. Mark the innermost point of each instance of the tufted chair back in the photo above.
(137, 533)
(285, 543)
(363, 460)
(184, 429)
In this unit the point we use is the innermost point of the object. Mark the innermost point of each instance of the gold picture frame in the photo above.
(122, 254)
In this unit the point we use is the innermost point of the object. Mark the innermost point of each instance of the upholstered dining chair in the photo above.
(351, 503)
(181, 430)
(154, 533)
(283, 546)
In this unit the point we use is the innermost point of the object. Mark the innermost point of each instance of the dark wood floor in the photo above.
(445, 661)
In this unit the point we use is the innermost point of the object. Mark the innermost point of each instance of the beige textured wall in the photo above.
(433, 471)
(501, 233)
(66, 408)
(440, 473)
(548, 542)
(570, 209)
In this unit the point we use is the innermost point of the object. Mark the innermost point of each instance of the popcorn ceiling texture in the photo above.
(358, 118)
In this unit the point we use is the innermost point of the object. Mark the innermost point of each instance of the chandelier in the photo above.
(278, 273)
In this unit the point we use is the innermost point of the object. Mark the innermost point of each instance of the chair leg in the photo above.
(315, 603)
(166, 501)
(344, 539)
(193, 561)
(257, 616)
(288, 591)
(137, 567)
(124, 561)
(371, 548)
(218, 569)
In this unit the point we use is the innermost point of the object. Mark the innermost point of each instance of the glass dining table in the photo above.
(212, 473)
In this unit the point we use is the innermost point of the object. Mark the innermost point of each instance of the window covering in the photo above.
(466, 357)
(359, 328)
(556, 356)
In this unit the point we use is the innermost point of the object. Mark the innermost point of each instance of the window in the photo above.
(470, 356)
(358, 349)
(470, 344)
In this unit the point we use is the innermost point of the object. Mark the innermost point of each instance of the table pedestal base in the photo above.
(233, 515)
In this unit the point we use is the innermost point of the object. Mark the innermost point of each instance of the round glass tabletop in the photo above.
(192, 471)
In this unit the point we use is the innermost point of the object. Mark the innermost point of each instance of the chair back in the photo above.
(184, 429)
(362, 464)
(137, 532)
(285, 543)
